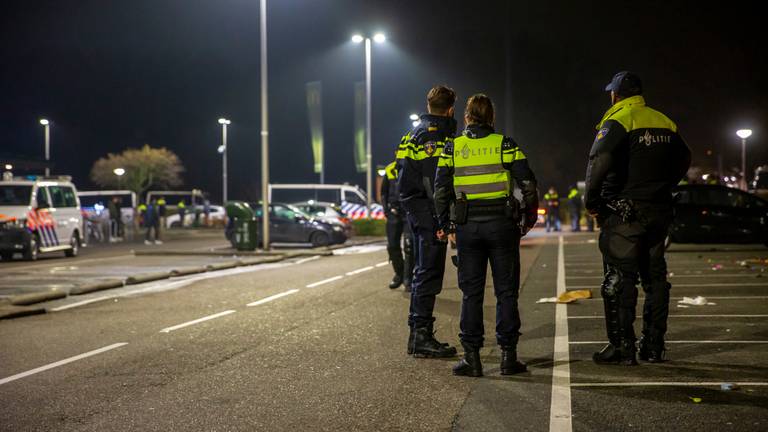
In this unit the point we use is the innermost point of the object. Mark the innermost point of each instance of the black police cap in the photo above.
(625, 84)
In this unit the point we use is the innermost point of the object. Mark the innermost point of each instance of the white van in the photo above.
(39, 215)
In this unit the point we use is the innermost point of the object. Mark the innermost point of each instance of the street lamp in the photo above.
(264, 125)
(744, 134)
(223, 150)
(378, 38)
(119, 173)
(47, 127)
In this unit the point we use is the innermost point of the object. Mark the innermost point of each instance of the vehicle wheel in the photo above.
(33, 249)
(320, 239)
(7, 256)
(74, 244)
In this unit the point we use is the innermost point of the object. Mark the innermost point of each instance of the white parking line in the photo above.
(358, 271)
(680, 316)
(747, 284)
(303, 260)
(324, 281)
(80, 303)
(199, 320)
(273, 297)
(61, 362)
(382, 264)
(560, 406)
(667, 384)
(679, 276)
(683, 342)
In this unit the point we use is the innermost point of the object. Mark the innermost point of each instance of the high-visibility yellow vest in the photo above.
(479, 172)
(391, 171)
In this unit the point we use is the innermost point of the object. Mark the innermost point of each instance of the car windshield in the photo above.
(13, 195)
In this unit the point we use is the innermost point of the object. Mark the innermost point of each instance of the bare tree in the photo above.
(145, 168)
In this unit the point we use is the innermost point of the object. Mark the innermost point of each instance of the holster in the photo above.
(512, 209)
(461, 210)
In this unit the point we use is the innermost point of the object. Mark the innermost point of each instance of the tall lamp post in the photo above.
(264, 126)
(223, 150)
(378, 38)
(47, 130)
(744, 134)
(119, 173)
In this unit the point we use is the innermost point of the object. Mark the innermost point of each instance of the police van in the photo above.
(39, 215)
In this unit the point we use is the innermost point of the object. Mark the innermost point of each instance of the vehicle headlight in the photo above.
(337, 228)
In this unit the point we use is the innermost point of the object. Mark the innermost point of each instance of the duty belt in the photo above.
(487, 207)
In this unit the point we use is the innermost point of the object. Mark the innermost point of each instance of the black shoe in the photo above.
(612, 355)
(651, 354)
(509, 363)
(424, 345)
(397, 280)
(410, 343)
(470, 365)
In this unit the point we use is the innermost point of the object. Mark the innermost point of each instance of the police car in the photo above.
(39, 215)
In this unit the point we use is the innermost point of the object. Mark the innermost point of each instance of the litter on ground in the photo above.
(567, 297)
(696, 301)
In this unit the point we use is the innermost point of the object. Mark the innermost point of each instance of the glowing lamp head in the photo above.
(414, 117)
(357, 38)
(44, 122)
(119, 171)
(224, 121)
(744, 133)
(379, 38)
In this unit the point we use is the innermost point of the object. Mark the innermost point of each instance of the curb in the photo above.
(9, 312)
(28, 299)
(146, 277)
(187, 271)
(97, 286)
(221, 266)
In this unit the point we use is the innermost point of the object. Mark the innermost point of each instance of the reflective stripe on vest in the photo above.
(478, 171)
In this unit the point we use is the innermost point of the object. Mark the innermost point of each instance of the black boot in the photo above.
(651, 350)
(509, 363)
(470, 365)
(410, 341)
(397, 280)
(623, 354)
(425, 345)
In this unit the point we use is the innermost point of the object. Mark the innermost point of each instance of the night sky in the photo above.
(117, 74)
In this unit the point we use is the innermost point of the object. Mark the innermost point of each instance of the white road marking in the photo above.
(667, 384)
(303, 260)
(199, 320)
(358, 271)
(685, 342)
(274, 297)
(61, 362)
(679, 276)
(560, 407)
(382, 264)
(680, 316)
(747, 284)
(324, 281)
(80, 303)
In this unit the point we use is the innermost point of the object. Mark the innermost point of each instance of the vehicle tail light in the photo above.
(541, 211)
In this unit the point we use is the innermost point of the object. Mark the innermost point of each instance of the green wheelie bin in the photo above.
(243, 227)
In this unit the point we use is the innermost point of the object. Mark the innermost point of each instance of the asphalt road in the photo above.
(319, 344)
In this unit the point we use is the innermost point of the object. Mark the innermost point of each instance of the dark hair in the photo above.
(479, 110)
(440, 99)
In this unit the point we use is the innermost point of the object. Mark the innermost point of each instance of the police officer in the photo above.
(417, 158)
(552, 198)
(574, 208)
(182, 207)
(635, 160)
(390, 200)
(475, 174)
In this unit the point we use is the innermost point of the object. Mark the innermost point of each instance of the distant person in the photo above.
(207, 212)
(116, 220)
(552, 199)
(636, 159)
(574, 208)
(152, 222)
(182, 208)
(400, 257)
(162, 211)
(142, 219)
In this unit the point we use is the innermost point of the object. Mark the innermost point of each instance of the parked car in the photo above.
(288, 224)
(326, 212)
(718, 214)
(39, 215)
(217, 217)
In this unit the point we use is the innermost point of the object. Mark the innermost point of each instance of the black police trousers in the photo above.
(497, 241)
(400, 257)
(631, 251)
(429, 260)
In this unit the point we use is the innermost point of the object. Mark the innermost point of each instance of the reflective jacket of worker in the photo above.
(636, 159)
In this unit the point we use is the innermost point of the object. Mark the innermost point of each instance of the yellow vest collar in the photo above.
(630, 101)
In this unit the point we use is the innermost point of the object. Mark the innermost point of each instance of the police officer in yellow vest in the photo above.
(401, 258)
(417, 158)
(635, 160)
(473, 195)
